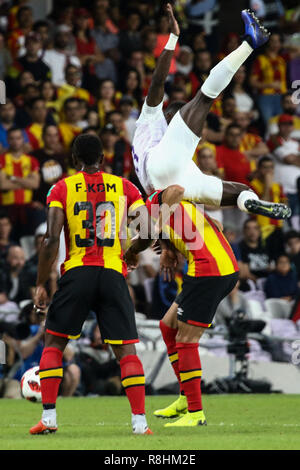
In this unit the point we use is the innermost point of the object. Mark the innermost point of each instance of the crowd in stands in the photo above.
(86, 66)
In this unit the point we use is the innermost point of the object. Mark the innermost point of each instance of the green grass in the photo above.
(234, 422)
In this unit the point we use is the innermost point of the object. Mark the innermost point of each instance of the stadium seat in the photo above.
(278, 308)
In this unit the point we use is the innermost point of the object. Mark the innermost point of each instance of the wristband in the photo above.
(172, 41)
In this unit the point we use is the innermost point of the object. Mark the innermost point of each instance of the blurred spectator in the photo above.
(268, 78)
(132, 87)
(235, 163)
(42, 29)
(129, 116)
(254, 260)
(107, 99)
(7, 122)
(59, 57)
(149, 40)
(31, 61)
(16, 39)
(106, 39)
(100, 370)
(184, 60)
(38, 114)
(270, 11)
(5, 57)
(282, 283)
(130, 38)
(13, 279)
(241, 92)
(19, 177)
(86, 48)
(252, 145)
(72, 87)
(206, 161)
(109, 137)
(292, 241)
(201, 69)
(289, 106)
(287, 155)
(5, 241)
(52, 160)
(69, 127)
(268, 190)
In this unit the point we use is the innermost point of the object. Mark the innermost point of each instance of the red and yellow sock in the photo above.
(169, 337)
(190, 374)
(133, 381)
(51, 374)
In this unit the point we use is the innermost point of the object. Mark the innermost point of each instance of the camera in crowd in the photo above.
(238, 328)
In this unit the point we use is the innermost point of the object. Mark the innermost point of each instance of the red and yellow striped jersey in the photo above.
(200, 241)
(20, 167)
(96, 207)
(268, 70)
(34, 133)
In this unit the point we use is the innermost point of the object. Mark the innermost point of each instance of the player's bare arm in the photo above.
(157, 87)
(48, 254)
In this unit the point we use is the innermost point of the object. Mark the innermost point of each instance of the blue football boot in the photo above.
(255, 34)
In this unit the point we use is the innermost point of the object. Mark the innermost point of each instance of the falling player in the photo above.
(91, 206)
(164, 142)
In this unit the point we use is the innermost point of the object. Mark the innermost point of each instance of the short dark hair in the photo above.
(174, 107)
(291, 234)
(87, 148)
(265, 158)
(70, 100)
(232, 126)
(14, 129)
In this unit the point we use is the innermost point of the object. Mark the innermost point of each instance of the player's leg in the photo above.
(197, 305)
(51, 374)
(116, 319)
(65, 317)
(169, 328)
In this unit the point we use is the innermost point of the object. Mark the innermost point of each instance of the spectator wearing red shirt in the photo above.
(230, 159)
(162, 39)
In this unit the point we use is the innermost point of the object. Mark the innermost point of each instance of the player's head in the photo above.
(87, 150)
(172, 110)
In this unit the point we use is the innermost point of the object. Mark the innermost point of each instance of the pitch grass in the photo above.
(234, 422)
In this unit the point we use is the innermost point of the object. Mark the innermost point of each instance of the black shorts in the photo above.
(200, 297)
(93, 288)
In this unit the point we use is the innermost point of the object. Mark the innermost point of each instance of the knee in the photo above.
(124, 350)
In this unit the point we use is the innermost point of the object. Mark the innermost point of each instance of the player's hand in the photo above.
(168, 263)
(40, 299)
(131, 259)
(172, 20)
(156, 247)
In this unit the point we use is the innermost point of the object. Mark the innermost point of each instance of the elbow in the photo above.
(175, 194)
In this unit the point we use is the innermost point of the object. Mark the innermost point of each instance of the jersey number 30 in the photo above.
(101, 211)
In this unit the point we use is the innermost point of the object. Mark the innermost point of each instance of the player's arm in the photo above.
(157, 87)
(48, 254)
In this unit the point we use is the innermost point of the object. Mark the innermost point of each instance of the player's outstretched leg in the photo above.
(51, 374)
(133, 381)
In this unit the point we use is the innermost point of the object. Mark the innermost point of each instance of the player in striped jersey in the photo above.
(165, 142)
(93, 207)
(212, 274)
